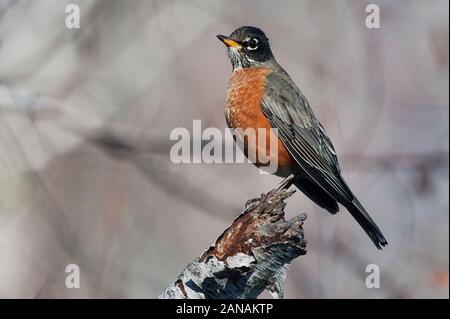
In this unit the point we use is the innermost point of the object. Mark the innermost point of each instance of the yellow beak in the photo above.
(229, 42)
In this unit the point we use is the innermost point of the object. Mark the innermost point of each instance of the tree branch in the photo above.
(252, 255)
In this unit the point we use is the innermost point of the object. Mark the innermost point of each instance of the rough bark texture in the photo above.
(252, 255)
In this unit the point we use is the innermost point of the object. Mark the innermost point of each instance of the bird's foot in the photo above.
(284, 184)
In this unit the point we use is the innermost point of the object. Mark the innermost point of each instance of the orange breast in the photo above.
(243, 110)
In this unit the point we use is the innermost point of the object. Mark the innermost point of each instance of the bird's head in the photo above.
(247, 47)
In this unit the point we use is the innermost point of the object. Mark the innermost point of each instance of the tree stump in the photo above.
(250, 256)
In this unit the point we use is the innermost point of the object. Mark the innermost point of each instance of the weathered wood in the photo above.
(252, 255)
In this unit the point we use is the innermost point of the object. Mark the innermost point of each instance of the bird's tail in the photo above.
(362, 217)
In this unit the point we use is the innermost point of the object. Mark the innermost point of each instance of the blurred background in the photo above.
(86, 114)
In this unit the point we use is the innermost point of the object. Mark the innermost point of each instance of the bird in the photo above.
(262, 95)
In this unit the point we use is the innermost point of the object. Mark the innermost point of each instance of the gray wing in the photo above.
(303, 136)
(305, 139)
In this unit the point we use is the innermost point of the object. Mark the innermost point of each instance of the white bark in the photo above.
(252, 255)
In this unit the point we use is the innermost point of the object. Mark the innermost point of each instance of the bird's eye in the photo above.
(251, 44)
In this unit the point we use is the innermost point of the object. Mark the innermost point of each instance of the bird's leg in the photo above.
(285, 183)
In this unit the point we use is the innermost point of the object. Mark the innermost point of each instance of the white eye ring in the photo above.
(254, 41)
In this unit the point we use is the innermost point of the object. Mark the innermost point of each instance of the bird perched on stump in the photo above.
(261, 94)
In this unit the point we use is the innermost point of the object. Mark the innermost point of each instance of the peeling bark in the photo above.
(252, 255)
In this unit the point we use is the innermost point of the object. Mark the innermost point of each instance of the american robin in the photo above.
(262, 95)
